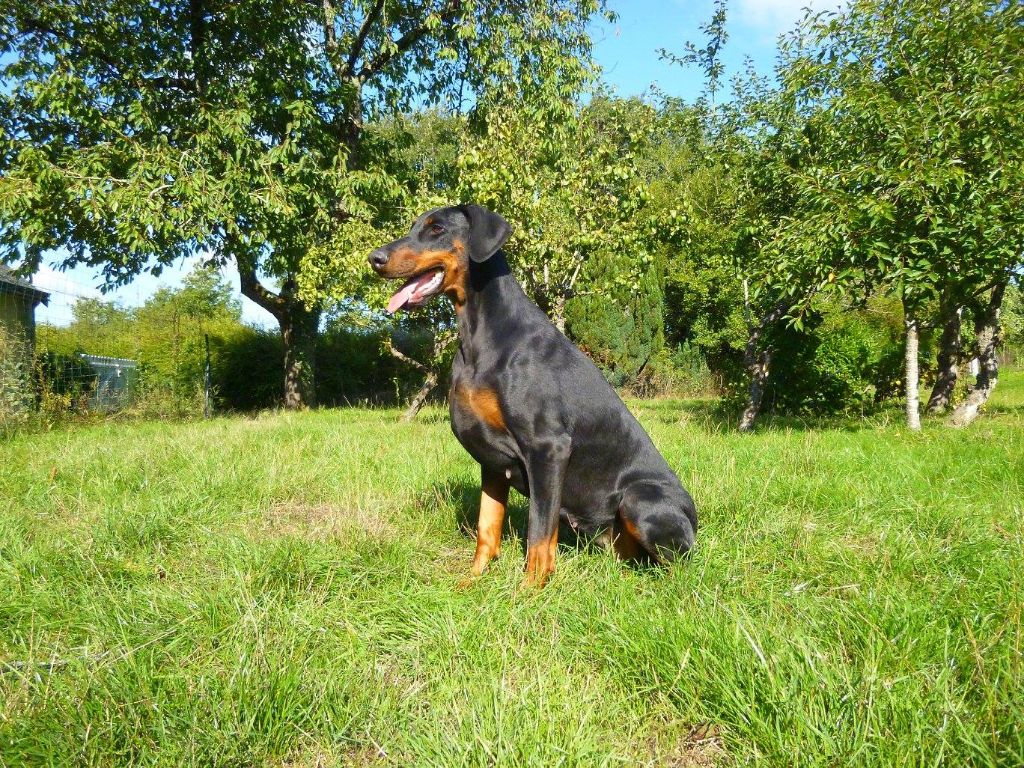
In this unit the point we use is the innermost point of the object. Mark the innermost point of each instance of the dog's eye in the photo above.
(436, 229)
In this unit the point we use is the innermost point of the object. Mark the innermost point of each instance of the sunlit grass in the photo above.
(291, 590)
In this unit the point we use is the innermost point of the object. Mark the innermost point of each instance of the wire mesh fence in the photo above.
(66, 349)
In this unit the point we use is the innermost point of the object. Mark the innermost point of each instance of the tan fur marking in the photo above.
(456, 289)
(540, 561)
(493, 498)
(406, 262)
(484, 405)
(626, 545)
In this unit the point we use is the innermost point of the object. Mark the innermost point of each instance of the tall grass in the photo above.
(291, 590)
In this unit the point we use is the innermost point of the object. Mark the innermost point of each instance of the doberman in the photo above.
(531, 408)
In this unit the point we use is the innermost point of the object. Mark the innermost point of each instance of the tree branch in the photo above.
(32, 26)
(252, 288)
(197, 42)
(405, 42)
(331, 39)
(364, 30)
(442, 339)
(405, 358)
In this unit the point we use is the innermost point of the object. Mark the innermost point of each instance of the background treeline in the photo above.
(172, 333)
(818, 241)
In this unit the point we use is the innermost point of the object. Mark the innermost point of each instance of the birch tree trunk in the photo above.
(912, 373)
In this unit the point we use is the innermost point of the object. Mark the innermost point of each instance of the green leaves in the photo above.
(906, 159)
(132, 134)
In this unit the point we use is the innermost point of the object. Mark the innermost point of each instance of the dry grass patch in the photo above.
(699, 747)
(323, 521)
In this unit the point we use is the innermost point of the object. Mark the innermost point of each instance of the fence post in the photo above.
(206, 379)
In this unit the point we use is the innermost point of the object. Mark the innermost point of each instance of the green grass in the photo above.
(288, 590)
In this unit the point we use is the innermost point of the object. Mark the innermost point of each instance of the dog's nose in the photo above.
(378, 258)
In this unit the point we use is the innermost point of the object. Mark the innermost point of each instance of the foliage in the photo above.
(909, 170)
(567, 181)
(237, 131)
(887, 156)
(167, 337)
(1013, 320)
(693, 180)
(17, 398)
(840, 359)
(64, 381)
(620, 329)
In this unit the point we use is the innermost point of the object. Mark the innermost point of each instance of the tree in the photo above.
(427, 147)
(567, 180)
(730, 206)
(239, 130)
(621, 328)
(909, 171)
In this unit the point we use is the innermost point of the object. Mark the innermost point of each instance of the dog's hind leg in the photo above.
(661, 520)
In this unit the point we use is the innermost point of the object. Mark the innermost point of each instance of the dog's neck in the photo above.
(494, 301)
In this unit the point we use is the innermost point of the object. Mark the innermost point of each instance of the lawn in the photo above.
(291, 590)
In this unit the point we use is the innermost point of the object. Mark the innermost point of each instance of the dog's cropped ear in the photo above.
(487, 232)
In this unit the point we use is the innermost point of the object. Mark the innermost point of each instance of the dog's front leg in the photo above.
(493, 498)
(546, 476)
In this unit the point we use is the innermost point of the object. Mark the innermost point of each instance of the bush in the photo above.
(621, 330)
(65, 375)
(844, 359)
(1012, 320)
(680, 371)
(247, 369)
(352, 366)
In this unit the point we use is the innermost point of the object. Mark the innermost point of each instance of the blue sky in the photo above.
(626, 50)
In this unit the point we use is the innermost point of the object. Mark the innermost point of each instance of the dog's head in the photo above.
(435, 256)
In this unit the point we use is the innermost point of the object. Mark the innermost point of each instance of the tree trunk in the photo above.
(948, 358)
(986, 328)
(558, 313)
(421, 397)
(299, 327)
(756, 360)
(758, 368)
(912, 373)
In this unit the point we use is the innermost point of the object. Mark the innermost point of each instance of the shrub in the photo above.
(680, 371)
(621, 329)
(844, 359)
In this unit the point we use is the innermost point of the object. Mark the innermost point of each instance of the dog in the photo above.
(531, 408)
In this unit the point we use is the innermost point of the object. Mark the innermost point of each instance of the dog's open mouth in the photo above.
(417, 290)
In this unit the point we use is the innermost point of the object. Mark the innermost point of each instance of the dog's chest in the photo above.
(479, 421)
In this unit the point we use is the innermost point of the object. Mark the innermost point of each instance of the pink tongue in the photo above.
(403, 294)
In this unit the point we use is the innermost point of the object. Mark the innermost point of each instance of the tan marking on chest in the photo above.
(483, 403)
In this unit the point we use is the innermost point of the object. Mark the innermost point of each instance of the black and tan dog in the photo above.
(531, 408)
